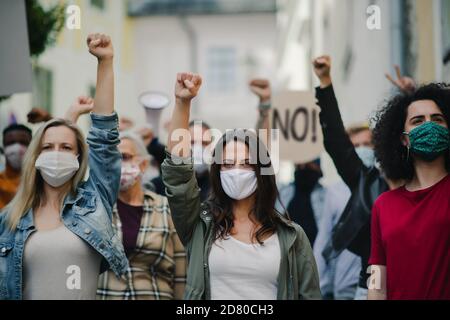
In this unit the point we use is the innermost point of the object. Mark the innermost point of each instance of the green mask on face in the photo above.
(429, 140)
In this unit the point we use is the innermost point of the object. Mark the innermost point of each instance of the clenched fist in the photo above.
(322, 69)
(81, 106)
(100, 46)
(187, 86)
(261, 87)
(37, 115)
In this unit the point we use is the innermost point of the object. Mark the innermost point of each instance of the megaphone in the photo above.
(154, 103)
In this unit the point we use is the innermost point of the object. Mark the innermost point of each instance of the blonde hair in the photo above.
(31, 189)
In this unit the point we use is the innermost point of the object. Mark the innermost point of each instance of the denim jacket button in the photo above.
(102, 246)
(3, 250)
(87, 231)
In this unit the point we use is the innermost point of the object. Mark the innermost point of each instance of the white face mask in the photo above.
(14, 155)
(367, 156)
(129, 176)
(56, 167)
(198, 156)
(238, 184)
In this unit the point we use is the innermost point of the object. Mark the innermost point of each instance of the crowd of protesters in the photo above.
(121, 215)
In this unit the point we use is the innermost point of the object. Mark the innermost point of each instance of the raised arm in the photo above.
(103, 138)
(261, 87)
(101, 47)
(336, 141)
(186, 89)
(177, 169)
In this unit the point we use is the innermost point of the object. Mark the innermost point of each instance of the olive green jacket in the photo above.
(298, 276)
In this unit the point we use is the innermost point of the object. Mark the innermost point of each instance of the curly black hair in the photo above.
(390, 123)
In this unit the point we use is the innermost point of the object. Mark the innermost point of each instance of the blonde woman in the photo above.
(56, 234)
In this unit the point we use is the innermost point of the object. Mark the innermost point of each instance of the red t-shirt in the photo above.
(411, 237)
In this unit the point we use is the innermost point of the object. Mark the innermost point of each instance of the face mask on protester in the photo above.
(367, 156)
(306, 179)
(429, 140)
(56, 167)
(238, 184)
(14, 155)
(129, 175)
(200, 166)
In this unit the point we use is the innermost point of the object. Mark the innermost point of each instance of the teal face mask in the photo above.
(429, 140)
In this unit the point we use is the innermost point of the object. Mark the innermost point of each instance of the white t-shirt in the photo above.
(241, 271)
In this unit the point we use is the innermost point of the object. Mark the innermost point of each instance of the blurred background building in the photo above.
(231, 41)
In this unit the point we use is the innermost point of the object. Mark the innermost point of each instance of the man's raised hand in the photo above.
(322, 69)
(261, 87)
(406, 84)
(187, 86)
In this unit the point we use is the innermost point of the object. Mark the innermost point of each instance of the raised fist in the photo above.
(261, 87)
(322, 68)
(81, 106)
(38, 115)
(187, 86)
(100, 46)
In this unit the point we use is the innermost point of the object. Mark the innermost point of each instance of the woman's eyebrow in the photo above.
(417, 117)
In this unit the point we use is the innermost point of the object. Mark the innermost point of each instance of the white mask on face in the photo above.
(200, 165)
(14, 155)
(238, 184)
(129, 176)
(56, 167)
(367, 156)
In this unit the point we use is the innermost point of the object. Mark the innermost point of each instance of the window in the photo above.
(99, 4)
(221, 74)
(42, 88)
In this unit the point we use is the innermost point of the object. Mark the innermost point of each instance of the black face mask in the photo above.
(306, 179)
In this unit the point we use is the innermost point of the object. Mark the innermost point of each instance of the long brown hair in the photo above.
(221, 205)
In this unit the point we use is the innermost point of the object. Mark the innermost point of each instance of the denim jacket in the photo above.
(87, 213)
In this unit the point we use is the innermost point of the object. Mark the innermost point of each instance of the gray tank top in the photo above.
(58, 265)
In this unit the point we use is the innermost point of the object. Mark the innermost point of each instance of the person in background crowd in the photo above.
(201, 140)
(410, 252)
(56, 234)
(366, 183)
(238, 245)
(304, 198)
(143, 222)
(339, 276)
(16, 139)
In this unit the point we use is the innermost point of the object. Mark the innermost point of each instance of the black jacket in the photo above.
(352, 231)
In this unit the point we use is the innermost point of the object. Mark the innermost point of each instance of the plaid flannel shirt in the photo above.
(158, 264)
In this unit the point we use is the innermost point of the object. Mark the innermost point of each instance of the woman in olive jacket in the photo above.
(238, 245)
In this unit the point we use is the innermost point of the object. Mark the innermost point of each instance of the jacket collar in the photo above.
(27, 221)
